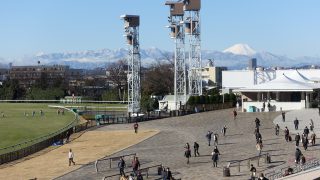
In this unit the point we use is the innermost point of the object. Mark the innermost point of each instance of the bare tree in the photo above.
(117, 75)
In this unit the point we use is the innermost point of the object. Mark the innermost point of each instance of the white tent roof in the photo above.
(283, 83)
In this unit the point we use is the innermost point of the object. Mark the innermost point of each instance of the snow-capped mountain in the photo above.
(240, 49)
(235, 57)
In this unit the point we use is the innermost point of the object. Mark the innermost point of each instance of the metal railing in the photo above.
(237, 163)
(111, 159)
(144, 171)
(276, 174)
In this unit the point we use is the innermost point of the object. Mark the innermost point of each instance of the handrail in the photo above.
(254, 157)
(144, 169)
(296, 169)
(111, 159)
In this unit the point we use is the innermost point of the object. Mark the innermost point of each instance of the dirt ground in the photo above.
(89, 147)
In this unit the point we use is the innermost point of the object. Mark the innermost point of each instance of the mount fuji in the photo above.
(234, 57)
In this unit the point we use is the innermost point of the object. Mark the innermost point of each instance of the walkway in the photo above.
(87, 148)
(167, 146)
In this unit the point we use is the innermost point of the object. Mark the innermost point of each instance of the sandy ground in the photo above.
(90, 146)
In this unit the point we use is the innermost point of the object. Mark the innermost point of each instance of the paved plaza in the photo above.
(167, 147)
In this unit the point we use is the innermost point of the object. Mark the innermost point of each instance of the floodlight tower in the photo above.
(177, 33)
(131, 27)
(192, 29)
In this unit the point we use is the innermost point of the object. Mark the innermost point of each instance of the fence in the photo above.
(276, 174)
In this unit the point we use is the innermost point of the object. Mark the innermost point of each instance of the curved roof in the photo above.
(282, 83)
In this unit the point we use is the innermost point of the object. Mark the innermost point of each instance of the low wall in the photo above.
(275, 106)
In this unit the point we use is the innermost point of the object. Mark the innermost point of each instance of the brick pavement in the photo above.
(239, 143)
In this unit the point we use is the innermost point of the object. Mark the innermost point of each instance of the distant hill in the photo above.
(235, 57)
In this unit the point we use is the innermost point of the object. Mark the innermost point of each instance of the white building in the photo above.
(288, 91)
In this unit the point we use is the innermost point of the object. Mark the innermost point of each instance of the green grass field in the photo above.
(15, 127)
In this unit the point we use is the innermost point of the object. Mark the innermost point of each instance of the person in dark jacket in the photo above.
(306, 131)
(208, 136)
(297, 155)
(277, 128)
(215, 157)
(121, 166)
(305, 142)
(257, 121)
(297, 139)
(169, 174)
(187, 152)
(286, 133)
(283, 114)
(196, 149)
(296, 124)
(139, 177)
(253, 171)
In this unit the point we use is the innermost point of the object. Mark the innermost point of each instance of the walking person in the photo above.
(168, 174)
(313, 139)
(208, 136)
(269, 106)
(234, 112)
(286, 134)
(135, 165)
(297, 155)
(306, 131)
(257, 121)
(196, 149)
(187, 152)
(223, 130)
(277, 128)
(283, 114)
(296, 124)
(259, 146)
(71, 156)
(263, 106)
(297, 139)
(135, 127)
(253, 171)
(215, 139)
(121, 166)
(215, 157)
(305, 142)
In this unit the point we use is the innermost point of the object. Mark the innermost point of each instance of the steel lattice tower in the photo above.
(131, 26)
(177, 33)
(193, 30)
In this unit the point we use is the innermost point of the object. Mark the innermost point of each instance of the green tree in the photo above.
(110, 95)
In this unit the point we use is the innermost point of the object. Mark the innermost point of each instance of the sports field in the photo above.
(19, 125)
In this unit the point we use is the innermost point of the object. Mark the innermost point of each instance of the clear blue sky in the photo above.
(285, 27)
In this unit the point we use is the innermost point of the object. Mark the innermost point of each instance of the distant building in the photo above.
(212, 75)
(28, 75)
(252, 64)
(4, 74)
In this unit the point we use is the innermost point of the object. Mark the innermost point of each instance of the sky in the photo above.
(283, 27)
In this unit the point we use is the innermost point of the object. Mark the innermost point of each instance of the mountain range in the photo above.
(234, 57)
